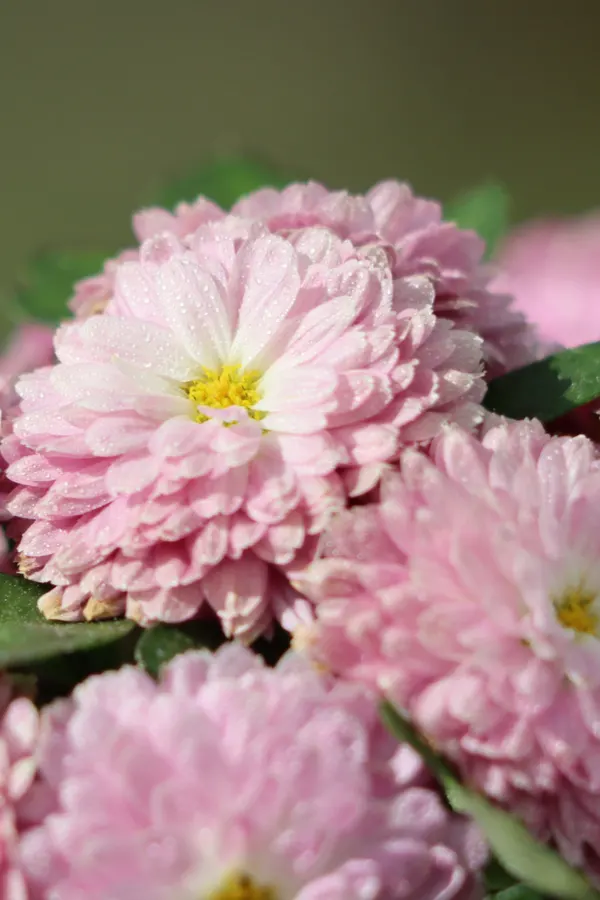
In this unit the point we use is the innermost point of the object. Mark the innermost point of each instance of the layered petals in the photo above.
(228, 777)
(196, 437)
(471, 596)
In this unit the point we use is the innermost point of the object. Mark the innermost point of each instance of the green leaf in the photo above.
(514, 847)
(518, 892)
(484, 209)
(27, 638)
(224, 181)
(496, 878)
(548, 388)
(158, 645)
(48, 283)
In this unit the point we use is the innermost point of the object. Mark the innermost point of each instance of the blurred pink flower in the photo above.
(18, 740)
(92, 294)
(390, 223)
(29, 347)
(228, 780)
(552, 268)
(189, 442)
(471, 596)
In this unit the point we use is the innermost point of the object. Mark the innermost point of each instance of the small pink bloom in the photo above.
(230, 779)
(30, 347)
(91, 294)
(553, 270)
(189, 443)
(471, 596)
(18, 740)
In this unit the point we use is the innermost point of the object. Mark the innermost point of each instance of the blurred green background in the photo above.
(99, 100)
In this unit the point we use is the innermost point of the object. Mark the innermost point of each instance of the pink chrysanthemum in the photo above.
(30, 347)
(18, 740)
(231, 780)
(553, 270)
(193, 439)
(409, 229)
(471, 596)
(91, 295)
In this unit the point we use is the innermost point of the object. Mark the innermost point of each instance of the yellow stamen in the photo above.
(240, 886)
(227, 387)
(574, 610)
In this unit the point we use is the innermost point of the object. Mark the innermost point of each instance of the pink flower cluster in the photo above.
(248, 376)
(275, 415)
(226, 780)
(470, 595)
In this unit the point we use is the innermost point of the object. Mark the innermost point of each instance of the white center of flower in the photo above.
(240, 886)
(227, 386)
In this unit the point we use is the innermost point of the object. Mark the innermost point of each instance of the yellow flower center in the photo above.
(574, 610)
(230, 386)
(240, 886)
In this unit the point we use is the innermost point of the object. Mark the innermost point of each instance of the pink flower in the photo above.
(30, 347)
(18, 739)
(388, 222)
(229, 779)
(192, 440)
(553, 269)
(471, 596)
(92, 294)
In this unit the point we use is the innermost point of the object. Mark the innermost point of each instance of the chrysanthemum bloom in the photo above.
(409, 229)
(29, 347)
(553, 270)
(92, 294)
(191, 441)
(229, 780)
(471, 596)
(18, 739)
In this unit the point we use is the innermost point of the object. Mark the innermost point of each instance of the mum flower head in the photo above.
(471, 596)
(29, 347)
(231, 780)
(19, 732)
(195, 438)
(552, 267)
(409, 229)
